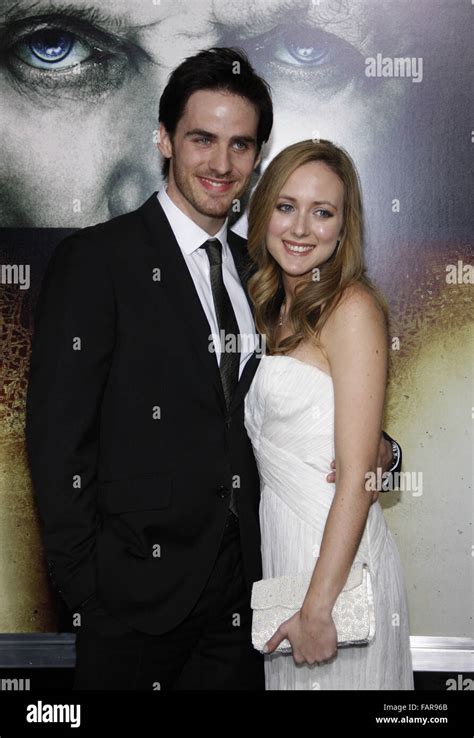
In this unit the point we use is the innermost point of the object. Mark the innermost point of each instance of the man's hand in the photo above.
(385, 457)
(384, 461)
(331, 477)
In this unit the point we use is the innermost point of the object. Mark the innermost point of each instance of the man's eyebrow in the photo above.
(88, 13)
(200, 132)
(346, 19)
(247, 139)
(356, 23)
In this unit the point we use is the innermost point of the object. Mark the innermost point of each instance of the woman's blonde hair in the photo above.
(314, 300)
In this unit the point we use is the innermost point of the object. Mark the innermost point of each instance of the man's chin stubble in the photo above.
(212, 212)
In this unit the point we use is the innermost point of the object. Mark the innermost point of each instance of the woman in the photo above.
(319, 391)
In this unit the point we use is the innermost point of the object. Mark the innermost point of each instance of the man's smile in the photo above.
(216, 185)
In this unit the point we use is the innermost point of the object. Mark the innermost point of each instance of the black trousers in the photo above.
(210, 650)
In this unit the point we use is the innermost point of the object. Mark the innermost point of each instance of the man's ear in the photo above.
(164, 142)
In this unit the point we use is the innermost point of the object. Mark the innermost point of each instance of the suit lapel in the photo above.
(244, 270)
(180, 291)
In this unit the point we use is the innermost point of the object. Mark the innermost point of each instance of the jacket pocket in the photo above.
(151, 492)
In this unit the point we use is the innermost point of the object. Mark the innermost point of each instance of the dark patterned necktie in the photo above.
(228, 326)
(226, 321)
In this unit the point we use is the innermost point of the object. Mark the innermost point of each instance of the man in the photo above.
(144, 474)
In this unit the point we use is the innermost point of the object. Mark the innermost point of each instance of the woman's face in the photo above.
(306, 221)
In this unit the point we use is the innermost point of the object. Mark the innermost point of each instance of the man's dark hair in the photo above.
(225, 69)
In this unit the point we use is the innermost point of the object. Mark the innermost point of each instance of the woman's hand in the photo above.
(313, 638)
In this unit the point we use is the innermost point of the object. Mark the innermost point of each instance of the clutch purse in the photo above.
(276, 600)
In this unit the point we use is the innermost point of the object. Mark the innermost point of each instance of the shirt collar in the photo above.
(188, 234)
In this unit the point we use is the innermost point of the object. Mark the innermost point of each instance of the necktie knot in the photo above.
(213, 248)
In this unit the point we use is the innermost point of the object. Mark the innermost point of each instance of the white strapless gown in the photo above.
(289, 416)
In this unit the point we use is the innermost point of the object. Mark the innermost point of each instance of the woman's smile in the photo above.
(294, 248)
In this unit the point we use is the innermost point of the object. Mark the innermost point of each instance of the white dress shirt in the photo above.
(190, 237)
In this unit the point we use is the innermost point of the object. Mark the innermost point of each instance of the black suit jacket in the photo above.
(131, 448)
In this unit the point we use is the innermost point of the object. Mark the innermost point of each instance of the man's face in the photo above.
(212, 155)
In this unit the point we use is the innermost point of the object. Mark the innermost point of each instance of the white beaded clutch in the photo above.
(276, 600)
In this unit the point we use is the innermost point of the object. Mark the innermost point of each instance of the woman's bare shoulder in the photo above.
(358, 313)
(357, 303)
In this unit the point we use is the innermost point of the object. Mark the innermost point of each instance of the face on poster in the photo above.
(80, 84)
